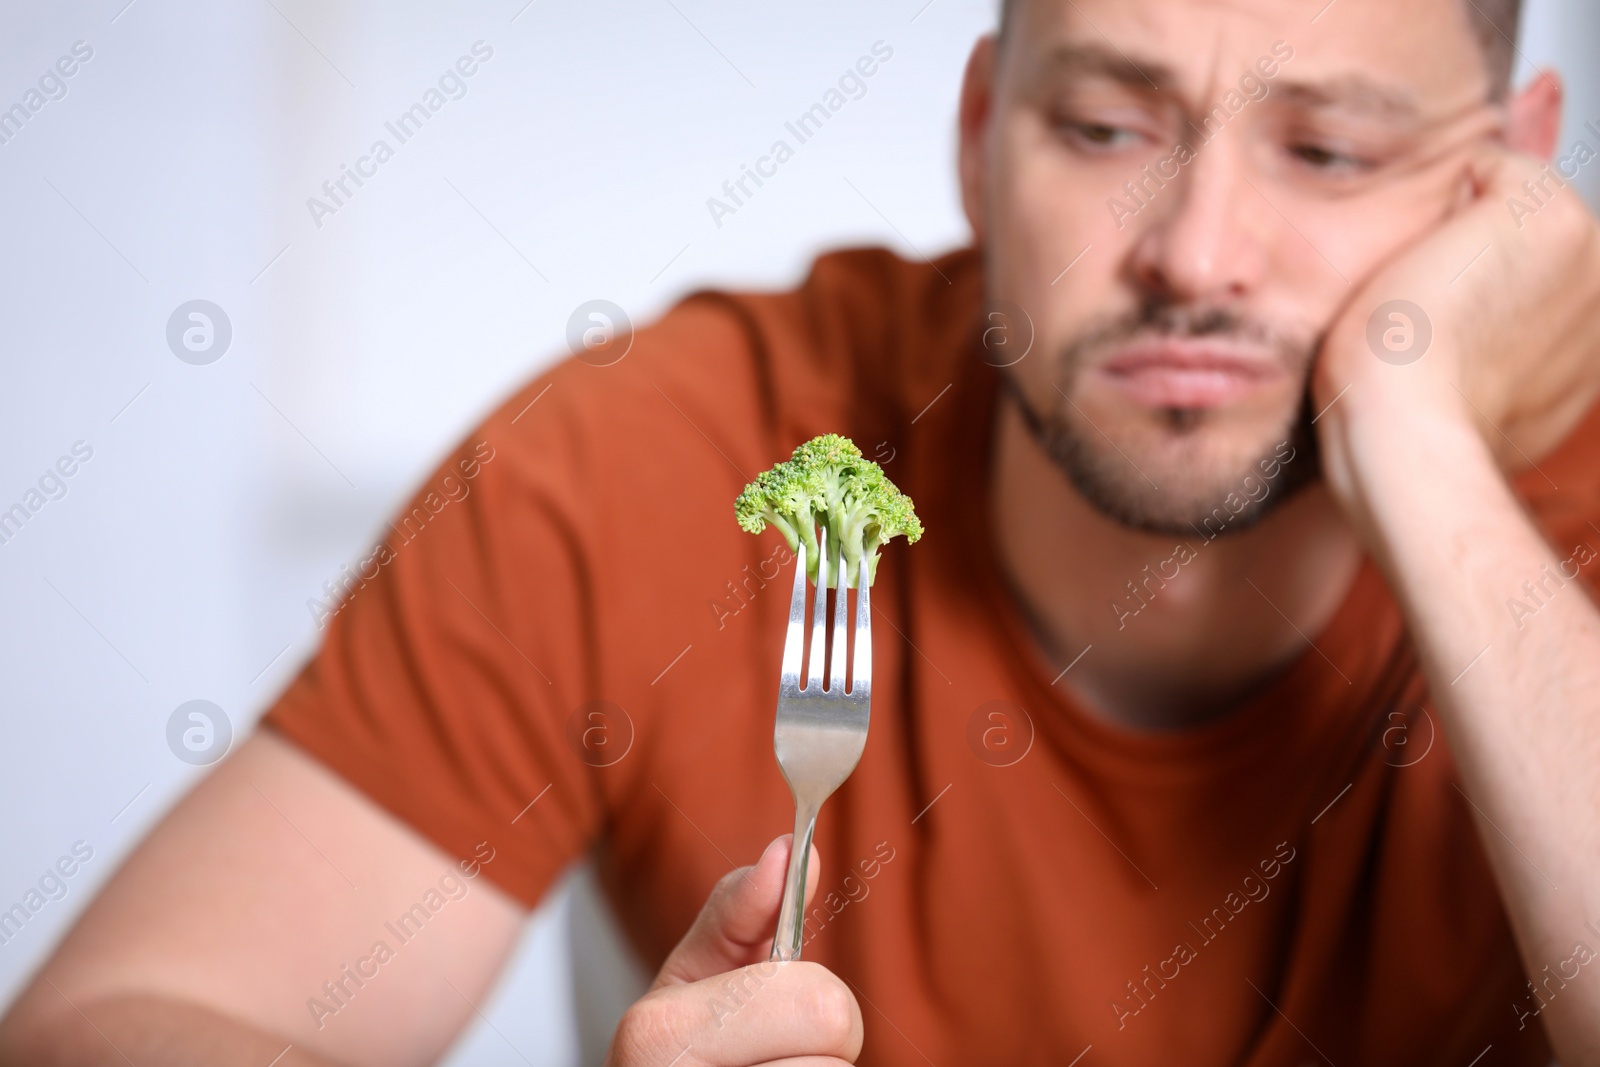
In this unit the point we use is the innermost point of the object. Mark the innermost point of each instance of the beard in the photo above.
(1171, 473)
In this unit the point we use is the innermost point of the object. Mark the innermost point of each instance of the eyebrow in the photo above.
(1354, 93)
(1112, 63)
(1351, 92)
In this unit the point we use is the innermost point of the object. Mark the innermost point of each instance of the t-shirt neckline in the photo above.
(1304, 695)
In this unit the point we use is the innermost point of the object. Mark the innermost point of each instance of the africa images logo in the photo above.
(451, 85)
(199, 332)
(852, 85)
(199, 732)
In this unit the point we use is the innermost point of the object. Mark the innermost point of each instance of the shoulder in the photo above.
(726, 381)
(1562, 492)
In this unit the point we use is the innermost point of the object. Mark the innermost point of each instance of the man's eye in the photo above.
(1326, 159)
(1098, 134)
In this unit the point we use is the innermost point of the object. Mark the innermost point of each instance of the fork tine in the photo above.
(861, 661)
(819, 616)
(795, 638)
(840, 599)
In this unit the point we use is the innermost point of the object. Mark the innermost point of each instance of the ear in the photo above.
(1535, 116)
(977, 108)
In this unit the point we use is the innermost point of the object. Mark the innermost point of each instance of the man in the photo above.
(1238, 706)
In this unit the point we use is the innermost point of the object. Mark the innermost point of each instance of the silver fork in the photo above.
(820, 732)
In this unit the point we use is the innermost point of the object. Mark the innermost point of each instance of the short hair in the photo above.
(1493, 24)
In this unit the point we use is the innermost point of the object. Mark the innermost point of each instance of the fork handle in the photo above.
(791, 915)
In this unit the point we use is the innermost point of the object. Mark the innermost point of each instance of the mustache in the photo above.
(1158, 317)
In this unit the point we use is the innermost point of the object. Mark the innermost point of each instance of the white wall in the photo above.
(1565, 35)
(220, 497)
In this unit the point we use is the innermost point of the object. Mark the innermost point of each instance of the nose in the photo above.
(1206, 239)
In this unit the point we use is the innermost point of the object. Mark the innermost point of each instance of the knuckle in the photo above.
(727, 887)
(827, 1008)
(644, 1030)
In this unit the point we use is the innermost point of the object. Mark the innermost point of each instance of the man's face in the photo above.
(1181, 196)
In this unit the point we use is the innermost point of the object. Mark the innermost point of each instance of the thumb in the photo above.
(736, 927)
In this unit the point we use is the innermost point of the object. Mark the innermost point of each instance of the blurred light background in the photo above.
(573, 164)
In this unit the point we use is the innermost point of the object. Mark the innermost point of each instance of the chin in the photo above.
(1185, 471)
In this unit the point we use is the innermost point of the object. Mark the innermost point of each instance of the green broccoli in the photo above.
(828, 482)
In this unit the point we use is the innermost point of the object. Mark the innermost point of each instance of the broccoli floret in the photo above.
(828, 482)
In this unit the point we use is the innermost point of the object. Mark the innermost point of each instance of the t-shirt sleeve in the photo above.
(457, 649)
(522, 625)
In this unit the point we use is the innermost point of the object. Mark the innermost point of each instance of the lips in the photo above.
(1190, 374)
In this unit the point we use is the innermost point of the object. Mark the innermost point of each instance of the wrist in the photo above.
(1401, 441)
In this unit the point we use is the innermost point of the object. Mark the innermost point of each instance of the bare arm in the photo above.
(1411, 452)
(1520, 700)
(264, 894)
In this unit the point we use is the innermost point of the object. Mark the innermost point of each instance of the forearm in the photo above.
(1519, 693)
(151, 1031)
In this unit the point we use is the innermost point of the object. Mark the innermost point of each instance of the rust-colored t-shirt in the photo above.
(566, 643)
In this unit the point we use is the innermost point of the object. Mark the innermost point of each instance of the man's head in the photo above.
(1181, 195)
(1493, 24)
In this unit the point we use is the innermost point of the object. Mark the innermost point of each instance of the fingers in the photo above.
(720, 1002)
(757, 1014)
(736, 926)
(1498, 171)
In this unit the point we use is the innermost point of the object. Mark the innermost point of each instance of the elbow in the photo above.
(31, 1035)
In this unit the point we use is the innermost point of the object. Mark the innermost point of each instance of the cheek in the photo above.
(1054, 247)
(1058, 201)
(1361, 233)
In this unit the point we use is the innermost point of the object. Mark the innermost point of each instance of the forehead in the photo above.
(1423, 51)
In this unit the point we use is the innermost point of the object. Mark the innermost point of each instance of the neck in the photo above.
(1182, 629)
